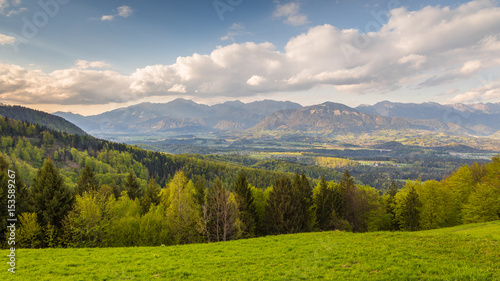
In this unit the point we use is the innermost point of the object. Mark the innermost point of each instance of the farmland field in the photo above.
(467, 252)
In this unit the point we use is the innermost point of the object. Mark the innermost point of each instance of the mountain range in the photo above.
(185, 116)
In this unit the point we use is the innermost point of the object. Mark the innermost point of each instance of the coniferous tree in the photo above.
(87, 181)
(51, 199)
(349, 198)
(283, 209)
(246, 206)
(409, 210)
(324, 202)
(222, 214)
(151, 196)
(303, 192)
(199, 187)
(132, 186)
(391, 205)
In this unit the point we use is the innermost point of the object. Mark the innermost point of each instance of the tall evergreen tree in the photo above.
(199, 187)
(246, 206)
(391, 205)
(222, 214)
(303, 191)
(87, 181)
(51, 198)
(283, 209)
(132, 186)
(325, 205)
(350, 213)
(151, 197)
(409, 210)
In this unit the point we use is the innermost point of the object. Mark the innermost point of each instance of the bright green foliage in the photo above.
(87, 223)
(221, 214)
(51, 199)
(29, 233)
(438, 206)
(87, 181)
(246, 206)
(124, 221)
(154, 230)
(183, 214)
(151, 196)
(132, 186)
(283, 210)
(483, 205)
(408, 207)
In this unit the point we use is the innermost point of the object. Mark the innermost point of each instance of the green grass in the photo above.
(469, 252)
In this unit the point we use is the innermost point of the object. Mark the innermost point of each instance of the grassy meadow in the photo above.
(467, 252)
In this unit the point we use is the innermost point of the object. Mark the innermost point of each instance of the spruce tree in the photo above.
(132, 186)
(410, 210)
(324, 203)
(246, 206)
(87, 181)
(349, 192)
(391, 205)
(51, 199)
(151, 197)
(283, 210)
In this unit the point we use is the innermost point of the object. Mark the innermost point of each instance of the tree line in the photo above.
(51, 214)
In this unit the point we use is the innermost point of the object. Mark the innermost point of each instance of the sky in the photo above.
(92, 56)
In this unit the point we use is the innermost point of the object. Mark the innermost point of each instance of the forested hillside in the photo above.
(39, 117)
(78, 191)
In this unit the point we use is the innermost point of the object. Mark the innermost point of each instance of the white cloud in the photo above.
(107, 18)
(7, 40)
(490, 92)
(83, 64)
(471, 67)
(415, 49)
(125, 11)
(255, 80)
(235, 30)
(290, 12)
(10, 7)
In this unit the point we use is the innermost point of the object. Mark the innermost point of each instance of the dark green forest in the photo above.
(79, 191)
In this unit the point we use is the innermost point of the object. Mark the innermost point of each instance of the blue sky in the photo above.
(92, 56)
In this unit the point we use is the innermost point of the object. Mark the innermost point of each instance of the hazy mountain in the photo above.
(480, 119)
(39, 117)
(336, 118)
(179, 115)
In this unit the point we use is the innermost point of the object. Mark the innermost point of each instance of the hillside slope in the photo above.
(467, 252)
(41, 118)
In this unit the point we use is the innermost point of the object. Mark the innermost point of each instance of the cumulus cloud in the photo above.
(107, 18)
(123, 11)
(83, 64)
(290, 12)
(414, 49)
(489, 92)
(7, 40)
(10, 7)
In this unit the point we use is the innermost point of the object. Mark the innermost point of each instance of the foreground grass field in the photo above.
(468, 252)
